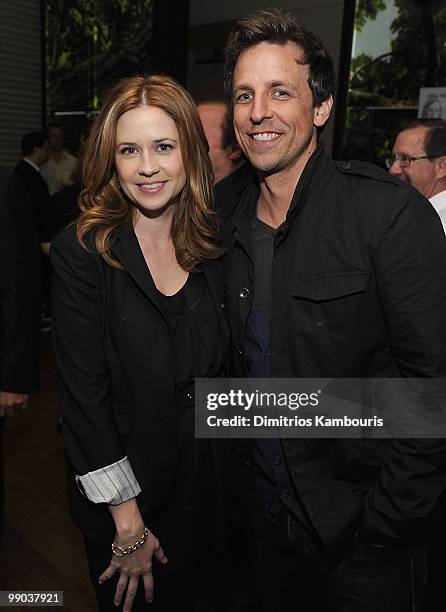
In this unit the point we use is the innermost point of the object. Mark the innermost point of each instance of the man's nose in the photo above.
(260, 109)
(395, 168)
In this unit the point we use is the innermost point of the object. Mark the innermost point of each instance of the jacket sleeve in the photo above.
(91, 438)
(411, 276)
(20, 288)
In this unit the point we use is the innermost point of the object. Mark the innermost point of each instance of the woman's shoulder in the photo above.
(67, 246)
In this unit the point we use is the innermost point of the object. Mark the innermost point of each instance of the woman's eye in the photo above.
(163, 147)
(127, 150)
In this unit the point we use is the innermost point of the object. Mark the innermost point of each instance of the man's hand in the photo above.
(11, 401)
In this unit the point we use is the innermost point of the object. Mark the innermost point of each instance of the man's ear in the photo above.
(441, 167)
(322, 112)
(235, 153)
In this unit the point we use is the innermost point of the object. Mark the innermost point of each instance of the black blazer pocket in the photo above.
(326, 287)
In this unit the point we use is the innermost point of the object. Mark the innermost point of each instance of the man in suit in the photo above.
(20, 288)
(34, 154)
(332, 270)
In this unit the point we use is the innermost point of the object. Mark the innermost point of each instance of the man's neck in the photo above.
(276, 191)
(55, 155)
(439, 188)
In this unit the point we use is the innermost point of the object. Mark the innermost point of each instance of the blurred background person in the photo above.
(225, 154)
(59, 168)
(34, 149)
(20, 299)
(419, 158)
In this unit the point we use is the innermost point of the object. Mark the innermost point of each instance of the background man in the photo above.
(60, 165)
(419, 158)
(19, 302)
(224, 152)
(327, 274)
(34, 155)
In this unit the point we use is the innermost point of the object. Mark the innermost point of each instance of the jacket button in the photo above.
(223, 305)
(244, 293)
(347, 165)
(240, 350)
(189, 396)
(286, 493)
(277, 460)
(319, 323)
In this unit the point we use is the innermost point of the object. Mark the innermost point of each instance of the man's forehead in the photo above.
(271, 50)
(410, 139)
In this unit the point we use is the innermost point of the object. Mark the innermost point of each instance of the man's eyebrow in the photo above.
(269, 84)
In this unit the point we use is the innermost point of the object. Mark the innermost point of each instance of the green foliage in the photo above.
(417, 59)
(90, 44)
(365, 10)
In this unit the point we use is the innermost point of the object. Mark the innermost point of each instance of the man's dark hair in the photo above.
(31, 140)
(228, 136)
(275, 26)
(55, 125)
(435, 138)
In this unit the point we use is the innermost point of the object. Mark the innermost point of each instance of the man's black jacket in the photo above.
(358, 290)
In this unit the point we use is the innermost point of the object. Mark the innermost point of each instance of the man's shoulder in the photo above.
(369, 172)
(228, 191)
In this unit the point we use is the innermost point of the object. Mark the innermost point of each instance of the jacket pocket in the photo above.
(333, 286)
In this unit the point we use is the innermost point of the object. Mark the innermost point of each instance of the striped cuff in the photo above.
(113, 484)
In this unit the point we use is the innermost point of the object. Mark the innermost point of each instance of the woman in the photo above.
(136, 318)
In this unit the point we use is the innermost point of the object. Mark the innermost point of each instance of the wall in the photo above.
(20, 75)
(210, 23)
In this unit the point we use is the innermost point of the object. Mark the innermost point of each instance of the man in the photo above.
(224, 152)
(332, 270)
(419, 158)
(60, 166)
(34, 155)
(19, 302)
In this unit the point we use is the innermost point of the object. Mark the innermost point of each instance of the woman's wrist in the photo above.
(128, 520)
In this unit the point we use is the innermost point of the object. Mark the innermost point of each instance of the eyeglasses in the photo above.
(404, 160)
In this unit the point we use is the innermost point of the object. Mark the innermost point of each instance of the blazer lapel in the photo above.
(127, 251)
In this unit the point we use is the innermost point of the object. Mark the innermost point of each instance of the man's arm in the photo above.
(20, 294)
(411, 276)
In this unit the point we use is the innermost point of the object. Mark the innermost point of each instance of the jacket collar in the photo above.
(127, 251)
(247, 204)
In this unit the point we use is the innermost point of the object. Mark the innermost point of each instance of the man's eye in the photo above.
(281, 93)
(244, 97)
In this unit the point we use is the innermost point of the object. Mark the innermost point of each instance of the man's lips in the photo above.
(264, 136)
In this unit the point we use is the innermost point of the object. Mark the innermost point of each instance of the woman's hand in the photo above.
(136, 565)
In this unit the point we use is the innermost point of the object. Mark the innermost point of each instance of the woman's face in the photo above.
(434, 110)
(148, 158)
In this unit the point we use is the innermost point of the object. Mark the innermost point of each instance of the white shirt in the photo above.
(58, 174)
(438, 201)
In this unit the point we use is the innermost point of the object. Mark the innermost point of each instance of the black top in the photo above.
(194, 328)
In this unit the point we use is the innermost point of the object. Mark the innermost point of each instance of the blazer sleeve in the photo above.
(411, 273)
(91, 438)
(20, 288)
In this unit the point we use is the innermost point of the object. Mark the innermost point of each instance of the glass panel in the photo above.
(398, 48)
(89, 45)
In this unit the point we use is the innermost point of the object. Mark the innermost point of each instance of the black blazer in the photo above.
(116, 358)
(38, 191)
(20, 288)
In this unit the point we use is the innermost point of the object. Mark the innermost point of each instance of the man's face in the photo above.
(55, 139)
(41, 154)
(421, 173)
(213, 117)
(274, 117)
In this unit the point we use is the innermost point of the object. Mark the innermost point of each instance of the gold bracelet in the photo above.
(120, 552)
